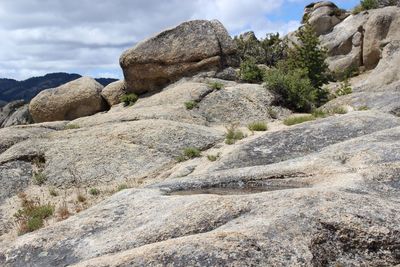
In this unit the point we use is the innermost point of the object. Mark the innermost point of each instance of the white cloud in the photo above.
(88, 36)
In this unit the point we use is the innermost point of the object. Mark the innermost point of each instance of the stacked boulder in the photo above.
(323, 16)
(185, 50)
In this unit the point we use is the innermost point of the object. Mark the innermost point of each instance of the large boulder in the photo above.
(189, 48)
(323, 16)
(72, 100)
(382, 28)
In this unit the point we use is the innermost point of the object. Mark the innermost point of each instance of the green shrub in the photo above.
(369, 4)
(366, 5)
(39, 178)
(258, 126)
(357, 10)
(233, 135)
(275, 49)
(94, 191)
(293, 86)
(266, 51)
(189, 153)
(190, 105)
(250, 72)
(298, 119)
(344, 89)
(32, 215)
(216, 85)
(249, 47)
(129, 99)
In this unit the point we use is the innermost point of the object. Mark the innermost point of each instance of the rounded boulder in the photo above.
(78, 98)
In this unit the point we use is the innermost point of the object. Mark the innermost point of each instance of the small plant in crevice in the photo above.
(338, 110)
(129, 99)
(122, 187)
(319, 113)
(216, 85)
(258, 126)
(190, 104)
(363, 108)
(38, 166)
(233, 134)
(53, 192)
(71, 126)
(39, 178)
(32, 214)
(344, 88)
(63, 212)
(272, 113)
(342, 159)
(298, 119)
(189, 153)
(94, 191)
(213, 158)
(80, 197)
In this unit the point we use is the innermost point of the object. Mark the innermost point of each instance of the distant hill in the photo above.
(12, 89)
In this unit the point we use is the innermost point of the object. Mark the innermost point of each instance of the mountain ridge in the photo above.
(11, 89)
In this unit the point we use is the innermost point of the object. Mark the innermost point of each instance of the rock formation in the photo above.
(184, 50)
(322, 193)
(79, 98)
(15, 113)
(323, 16)
(383, 3)
(358, 41)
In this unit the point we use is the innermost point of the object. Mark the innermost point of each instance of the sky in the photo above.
(88, 36)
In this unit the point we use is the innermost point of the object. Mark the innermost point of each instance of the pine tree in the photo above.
(310, 56)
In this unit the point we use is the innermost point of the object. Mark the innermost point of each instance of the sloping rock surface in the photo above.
(334, 206)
